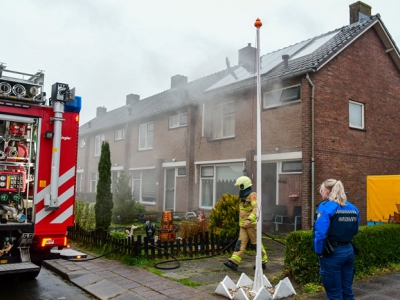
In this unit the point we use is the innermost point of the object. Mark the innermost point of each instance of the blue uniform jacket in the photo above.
(336, 223)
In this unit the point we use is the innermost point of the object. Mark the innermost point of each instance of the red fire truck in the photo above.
(38, 157)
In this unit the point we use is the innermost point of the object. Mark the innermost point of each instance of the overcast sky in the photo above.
(110, 48)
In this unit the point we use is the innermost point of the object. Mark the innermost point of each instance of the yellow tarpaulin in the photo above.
(383, 192)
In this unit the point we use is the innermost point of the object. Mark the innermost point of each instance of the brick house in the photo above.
(329, 110)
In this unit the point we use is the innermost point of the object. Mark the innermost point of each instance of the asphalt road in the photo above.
(47, 286)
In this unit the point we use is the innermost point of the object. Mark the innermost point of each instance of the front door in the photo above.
(290, 185)
(169, 189)
(269, 191)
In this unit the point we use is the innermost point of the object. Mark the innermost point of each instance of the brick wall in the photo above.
(363, 73)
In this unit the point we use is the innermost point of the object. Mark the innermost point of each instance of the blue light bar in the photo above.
(74, 106)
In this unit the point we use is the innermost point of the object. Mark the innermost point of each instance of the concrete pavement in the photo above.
(111, 279)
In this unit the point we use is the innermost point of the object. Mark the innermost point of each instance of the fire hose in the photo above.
(175, 259)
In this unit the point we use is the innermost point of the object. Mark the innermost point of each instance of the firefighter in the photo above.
(337, 221)
(247, 224)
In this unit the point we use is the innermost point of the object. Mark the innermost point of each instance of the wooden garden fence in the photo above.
(143, 247)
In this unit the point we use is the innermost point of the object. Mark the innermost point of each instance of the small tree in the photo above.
(104, 202)
(123, 201)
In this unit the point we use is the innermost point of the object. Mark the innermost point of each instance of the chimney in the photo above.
(100, 111)
(359, 11)
(132, 99)
(285, 58)
(178, 81)
(247, 57)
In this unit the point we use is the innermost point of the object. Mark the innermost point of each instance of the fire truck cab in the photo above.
(38, 156)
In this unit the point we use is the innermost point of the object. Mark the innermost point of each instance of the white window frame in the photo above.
(220, 117)
(119, 134)
(146, 136)
(79, 181)
(82, 143)
(94, 177)
(352, 124)
(99, 139)
(140, 182)
(211, 174)
(278, 94)
(178, 121)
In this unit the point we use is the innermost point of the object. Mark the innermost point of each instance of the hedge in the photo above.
(378, 248)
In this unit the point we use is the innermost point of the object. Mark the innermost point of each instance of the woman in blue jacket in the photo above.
(336, 223)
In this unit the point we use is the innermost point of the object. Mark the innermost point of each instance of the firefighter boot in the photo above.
(231, 265)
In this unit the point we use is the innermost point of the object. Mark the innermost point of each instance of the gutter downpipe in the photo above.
(312, 152)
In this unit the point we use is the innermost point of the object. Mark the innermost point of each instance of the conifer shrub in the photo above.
(224, 217)
(104, 197)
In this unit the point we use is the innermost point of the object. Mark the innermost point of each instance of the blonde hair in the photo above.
(336, 191)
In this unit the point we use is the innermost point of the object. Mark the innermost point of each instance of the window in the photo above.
(114, 179)
(281, 97)
(178, 121)
(119, 134)
(79, 181)
(291, 167)
(99, 139)
(356, 115)
(144, 185)
(82, 143)
(222, 120)
(218, 180)
(93, 182)
(182, 171)
(146, 136)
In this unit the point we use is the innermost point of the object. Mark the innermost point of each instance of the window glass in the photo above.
(281, 96)
(223, 120)
(181, 171)
(114, 179)
(93, 182)
(120, 134)
(99, 139)
(207, 171)
(142, 136)
(173, 121)
(207, 192)
(144, 185)
(356, 115)
(146, 136)
(149, 185)
(290, 94)
(183, 120)
(291, 166)
(79, 179)
(272, 98)
(225, 180)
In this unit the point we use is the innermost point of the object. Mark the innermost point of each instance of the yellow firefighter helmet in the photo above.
(243, 182)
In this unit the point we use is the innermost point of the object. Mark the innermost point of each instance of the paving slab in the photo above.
(105, 289)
